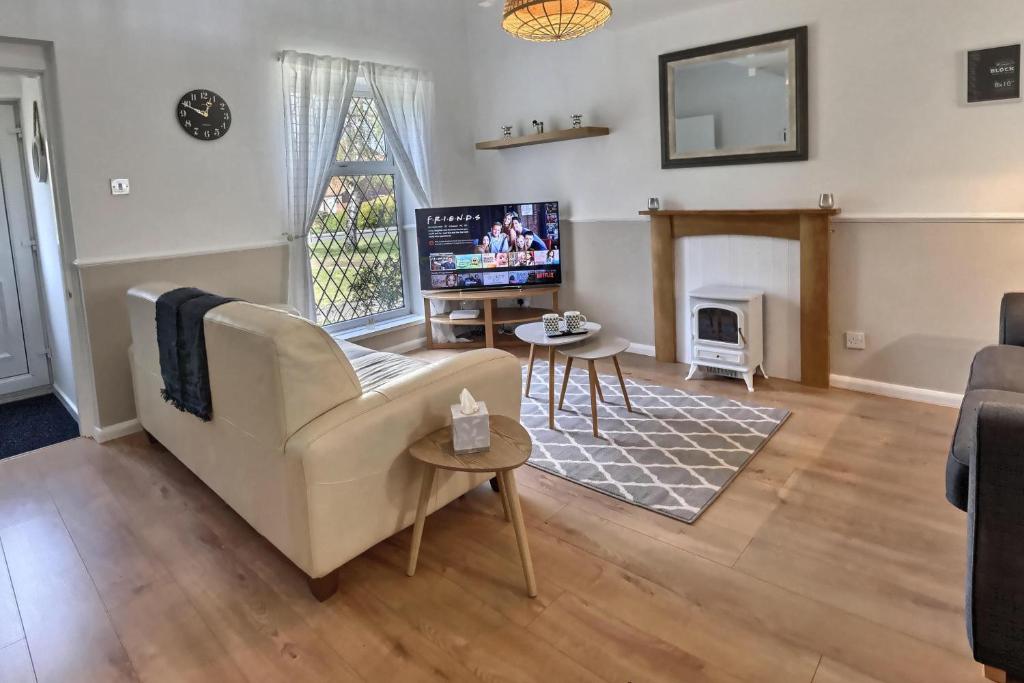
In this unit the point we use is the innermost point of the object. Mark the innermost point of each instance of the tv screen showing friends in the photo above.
(503, 245)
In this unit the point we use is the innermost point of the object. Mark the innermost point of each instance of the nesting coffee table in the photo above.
(533, 334)
(593, 350)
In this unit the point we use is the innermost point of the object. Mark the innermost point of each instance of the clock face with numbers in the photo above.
(204, 115)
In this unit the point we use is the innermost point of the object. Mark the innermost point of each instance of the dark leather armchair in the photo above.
(985, 477)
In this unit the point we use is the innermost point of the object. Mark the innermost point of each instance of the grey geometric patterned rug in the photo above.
(674, 454)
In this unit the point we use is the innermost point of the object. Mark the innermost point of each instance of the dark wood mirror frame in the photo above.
(802, 136)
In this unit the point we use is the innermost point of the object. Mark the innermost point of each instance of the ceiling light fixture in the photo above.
(548, 21)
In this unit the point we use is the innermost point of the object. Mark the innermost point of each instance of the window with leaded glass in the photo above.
(355, 240)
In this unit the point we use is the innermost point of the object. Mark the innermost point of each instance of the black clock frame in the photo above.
(203, 114)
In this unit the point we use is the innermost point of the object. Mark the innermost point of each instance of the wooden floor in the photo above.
(833, 557)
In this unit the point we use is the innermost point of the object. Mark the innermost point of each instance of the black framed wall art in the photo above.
(993, 74)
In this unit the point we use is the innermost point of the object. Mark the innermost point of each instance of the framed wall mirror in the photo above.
(739, 102)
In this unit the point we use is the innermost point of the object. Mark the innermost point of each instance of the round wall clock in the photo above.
(204, 115)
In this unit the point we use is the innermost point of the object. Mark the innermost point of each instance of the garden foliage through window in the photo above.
(354, 241)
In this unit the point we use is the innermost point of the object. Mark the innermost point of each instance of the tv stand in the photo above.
(493, 316)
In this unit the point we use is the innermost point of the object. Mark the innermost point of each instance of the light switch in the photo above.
(119, 186)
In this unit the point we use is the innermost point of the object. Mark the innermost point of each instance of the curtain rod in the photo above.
(280, 58)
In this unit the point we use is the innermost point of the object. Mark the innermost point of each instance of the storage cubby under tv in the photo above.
(493, 317)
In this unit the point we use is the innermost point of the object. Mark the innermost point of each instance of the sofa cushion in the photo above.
(998, 367)
(965, 440)
(374, 368)
(378, 367)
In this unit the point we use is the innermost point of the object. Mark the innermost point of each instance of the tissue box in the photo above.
(471, 433)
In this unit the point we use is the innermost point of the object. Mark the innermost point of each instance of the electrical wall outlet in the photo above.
(856, 340)
(119, 186)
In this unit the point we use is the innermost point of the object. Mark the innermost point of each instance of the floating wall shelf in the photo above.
(544, 138)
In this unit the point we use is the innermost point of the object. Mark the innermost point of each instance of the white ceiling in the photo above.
(625, 12)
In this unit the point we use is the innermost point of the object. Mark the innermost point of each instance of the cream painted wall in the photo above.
(889, 136)
(122, 65)
(927, 294)
(888, 131)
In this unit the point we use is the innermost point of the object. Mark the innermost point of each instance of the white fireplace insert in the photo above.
(727, 332)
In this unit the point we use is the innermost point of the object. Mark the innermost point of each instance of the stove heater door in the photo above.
(718, 325)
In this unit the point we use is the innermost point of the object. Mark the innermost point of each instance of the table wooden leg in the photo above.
(593, 393)
(529, 369)
(426, 320)
(426, 486)
(565, 381)
(506, 508)
(551, 387)
(489, 323)
(622, 384)
(600, 391)
(508, 484)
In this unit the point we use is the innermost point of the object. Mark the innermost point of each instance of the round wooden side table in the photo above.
(510, 448)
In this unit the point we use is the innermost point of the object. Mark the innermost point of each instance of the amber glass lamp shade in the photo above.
(547, 21)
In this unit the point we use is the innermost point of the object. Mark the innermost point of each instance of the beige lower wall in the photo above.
(607, 275)
(257, 275)
(926, 294)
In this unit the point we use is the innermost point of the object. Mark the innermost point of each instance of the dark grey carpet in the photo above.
(34, 423)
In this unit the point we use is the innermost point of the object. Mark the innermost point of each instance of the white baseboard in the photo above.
(25, 393)
(69, 405)
(869, 386)
(116, 431)
(406, 347)
(641, 349)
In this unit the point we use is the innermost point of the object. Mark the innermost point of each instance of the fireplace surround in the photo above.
(810, 227)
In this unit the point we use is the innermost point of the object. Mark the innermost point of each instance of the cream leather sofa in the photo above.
(309, 435)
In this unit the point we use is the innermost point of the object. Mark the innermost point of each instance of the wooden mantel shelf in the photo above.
(810, 227)
(543, 138)
(740, 213)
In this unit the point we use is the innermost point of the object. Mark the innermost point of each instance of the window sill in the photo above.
(355, 334)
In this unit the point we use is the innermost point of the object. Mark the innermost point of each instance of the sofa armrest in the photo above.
(375, 429)
(995, 580)
(1011, 319)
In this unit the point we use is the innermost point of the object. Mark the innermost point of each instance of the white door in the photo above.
(23, 362)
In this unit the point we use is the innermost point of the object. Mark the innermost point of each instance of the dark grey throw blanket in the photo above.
(182, 346)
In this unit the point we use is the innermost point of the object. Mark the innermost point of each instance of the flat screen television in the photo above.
(478, 247)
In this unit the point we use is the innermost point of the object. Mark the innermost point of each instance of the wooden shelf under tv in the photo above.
(544, 138)
(492, 317)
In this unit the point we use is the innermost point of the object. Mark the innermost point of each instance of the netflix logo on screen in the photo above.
(501, 245)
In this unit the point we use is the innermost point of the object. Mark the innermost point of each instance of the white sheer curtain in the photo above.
(317, 96)
(405, 100)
